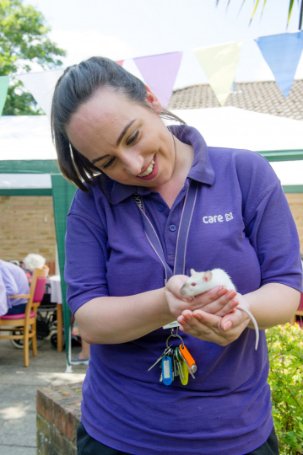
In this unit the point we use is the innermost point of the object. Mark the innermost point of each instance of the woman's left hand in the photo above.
(219, 301)
(214, 328)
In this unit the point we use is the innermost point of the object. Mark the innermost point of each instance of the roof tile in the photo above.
(264, 97)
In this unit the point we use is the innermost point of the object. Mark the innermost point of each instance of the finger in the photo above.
(208, 319)
(193, 325)
(181, 327)
(175, 283)
(228, 307)
(206, 327)
(210, 296)
(217, 302)
(235, 320)
(184, 319)
(199, 329)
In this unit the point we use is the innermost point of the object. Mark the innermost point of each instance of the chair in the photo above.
(23, 326)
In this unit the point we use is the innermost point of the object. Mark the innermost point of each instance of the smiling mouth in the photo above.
(148, 170)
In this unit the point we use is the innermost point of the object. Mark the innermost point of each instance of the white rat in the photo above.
(199, 282)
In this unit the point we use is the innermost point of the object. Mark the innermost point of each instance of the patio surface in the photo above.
(18, 392)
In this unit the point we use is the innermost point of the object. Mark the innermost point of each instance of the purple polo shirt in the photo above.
(241, 223)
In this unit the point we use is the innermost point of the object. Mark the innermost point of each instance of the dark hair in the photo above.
(77, 84)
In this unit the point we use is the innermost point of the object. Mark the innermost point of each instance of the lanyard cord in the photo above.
(153, 238)
(182, 238)
(183, 232)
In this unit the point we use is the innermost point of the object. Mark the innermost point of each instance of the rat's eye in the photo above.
(193, 284)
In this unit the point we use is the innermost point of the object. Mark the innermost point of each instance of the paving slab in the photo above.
(18, 388)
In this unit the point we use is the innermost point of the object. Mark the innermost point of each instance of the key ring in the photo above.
(173, 335)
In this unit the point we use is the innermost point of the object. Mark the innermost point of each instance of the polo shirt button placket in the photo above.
(172, 227)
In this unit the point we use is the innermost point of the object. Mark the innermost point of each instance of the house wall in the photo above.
(295, 201)
(27, 225)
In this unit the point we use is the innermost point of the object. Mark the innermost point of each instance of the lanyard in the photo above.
(182, 236)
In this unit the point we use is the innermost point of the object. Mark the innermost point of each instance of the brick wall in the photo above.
(58, 416)
(296, 205)
(27, 226)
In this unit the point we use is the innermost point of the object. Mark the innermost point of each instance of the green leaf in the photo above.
(24, 43)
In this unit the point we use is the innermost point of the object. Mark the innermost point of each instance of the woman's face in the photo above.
(124, 139)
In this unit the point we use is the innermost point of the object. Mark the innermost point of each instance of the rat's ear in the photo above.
(207, 276)
(192, 272)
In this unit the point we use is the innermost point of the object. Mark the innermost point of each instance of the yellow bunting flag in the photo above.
(220, 65)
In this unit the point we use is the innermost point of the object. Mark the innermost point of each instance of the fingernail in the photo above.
(227, 325)
(219, 291)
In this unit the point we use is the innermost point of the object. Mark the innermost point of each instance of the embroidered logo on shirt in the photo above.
(211, 219)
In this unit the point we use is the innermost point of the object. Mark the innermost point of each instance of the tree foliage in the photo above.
(260, 5)
(285, 347)
(24, 45)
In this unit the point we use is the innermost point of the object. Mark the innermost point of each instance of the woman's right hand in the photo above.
(218, 301)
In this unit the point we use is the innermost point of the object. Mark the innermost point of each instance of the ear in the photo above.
(192, 272)
(207, 276)
(153, 101)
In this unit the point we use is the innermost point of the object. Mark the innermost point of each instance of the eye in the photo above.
(108, 163)
(132, 138)
(193, 284)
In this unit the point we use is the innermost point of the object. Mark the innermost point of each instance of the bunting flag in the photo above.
(42, 85)
(160, 72)
(4, 81)
(282, 53)
(220, 65)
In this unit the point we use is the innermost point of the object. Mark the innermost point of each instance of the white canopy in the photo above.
(29, 138)
(26, 138)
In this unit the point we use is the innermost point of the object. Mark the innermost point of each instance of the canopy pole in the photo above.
(63, 193)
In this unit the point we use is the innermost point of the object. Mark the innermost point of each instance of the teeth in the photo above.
(148, 170)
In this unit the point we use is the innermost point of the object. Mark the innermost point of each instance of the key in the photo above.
(181, 366)
(167, 370)
(175, 364)
(165, 352)
(188, 358)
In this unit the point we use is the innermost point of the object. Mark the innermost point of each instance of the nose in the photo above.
(132, 161)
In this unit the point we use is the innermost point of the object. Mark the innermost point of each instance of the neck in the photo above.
(183, 161)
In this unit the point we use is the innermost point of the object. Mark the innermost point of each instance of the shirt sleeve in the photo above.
(3, 298)
(270, 226)
(86, 252)
(9, 282)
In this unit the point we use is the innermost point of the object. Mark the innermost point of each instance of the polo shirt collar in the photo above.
(201, 170)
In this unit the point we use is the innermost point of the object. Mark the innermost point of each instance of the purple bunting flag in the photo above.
(160, 72)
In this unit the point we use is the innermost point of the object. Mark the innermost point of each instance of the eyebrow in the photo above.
(121, 135)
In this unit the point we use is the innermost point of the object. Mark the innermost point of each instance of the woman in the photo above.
(31, 262)
(155, 201)
(13, 280)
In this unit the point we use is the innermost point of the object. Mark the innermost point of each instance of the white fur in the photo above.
(33, 261)
(200, 282)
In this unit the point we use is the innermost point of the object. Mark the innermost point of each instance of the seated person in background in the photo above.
(31, 262)
(3, 298)
(13, 280)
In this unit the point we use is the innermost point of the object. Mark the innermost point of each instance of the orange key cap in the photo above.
(190, 361)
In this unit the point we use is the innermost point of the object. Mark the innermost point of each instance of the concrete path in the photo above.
(18, 387)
